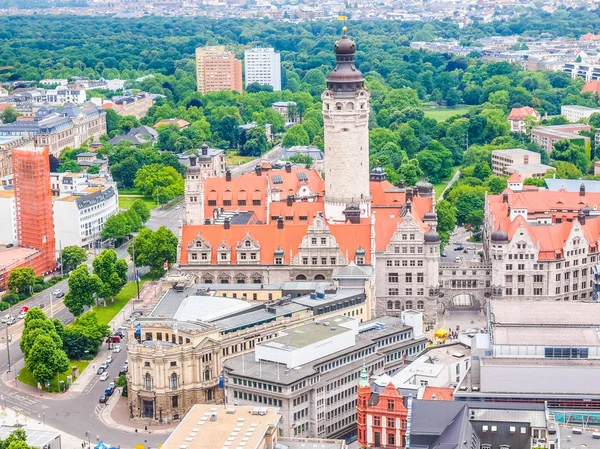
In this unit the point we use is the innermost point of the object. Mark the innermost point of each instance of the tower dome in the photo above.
(378, 174)
(424, 187)
(499, 236)
(432, 236)
(345, 77)
(430, 216)
(194, 168)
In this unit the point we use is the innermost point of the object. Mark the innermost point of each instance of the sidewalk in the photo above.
(116, 415)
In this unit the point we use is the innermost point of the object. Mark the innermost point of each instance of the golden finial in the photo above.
(344, 29)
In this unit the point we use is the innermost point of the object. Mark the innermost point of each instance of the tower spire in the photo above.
(364, 376)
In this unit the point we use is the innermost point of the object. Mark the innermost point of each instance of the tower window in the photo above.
(338, 106)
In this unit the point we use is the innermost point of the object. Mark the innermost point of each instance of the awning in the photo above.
(257, 195)
(227, 195)
(241, 195)
(212, 196)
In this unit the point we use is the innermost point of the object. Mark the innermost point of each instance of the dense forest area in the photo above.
(404, 139)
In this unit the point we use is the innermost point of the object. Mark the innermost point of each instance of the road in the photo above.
(460, 236)
(271, 156)
(79, 414)
(450, 183)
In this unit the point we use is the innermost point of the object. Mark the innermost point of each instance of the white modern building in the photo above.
(79, 218)
(263, 66)
(8, 224)
(574, 113)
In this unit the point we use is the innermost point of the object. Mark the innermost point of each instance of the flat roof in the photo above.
(572, 185)
(558, 336)
(576, 107)
(14, 255)
(309, 334)
(514, 152)
(339, 295)
(240, 429)
(544, 313)
(208, 308)
(36, 438)
(529, 167)
(308, 443)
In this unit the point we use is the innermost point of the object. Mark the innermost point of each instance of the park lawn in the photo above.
(234, 158)
(132, 191)
(441, 114)
(27, 378)
(105, 314)
(125, 201)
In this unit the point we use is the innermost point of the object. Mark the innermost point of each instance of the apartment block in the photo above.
(547, 136)
(217, 69)
(263, 66)
(574, 113)
(515, 156)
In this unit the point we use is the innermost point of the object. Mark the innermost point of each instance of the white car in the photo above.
(109, 359)
(104, 376)
(6, 318)
(117, 348)
(21, 315)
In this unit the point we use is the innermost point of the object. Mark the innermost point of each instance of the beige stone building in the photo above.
(7, 143)
(217, 69)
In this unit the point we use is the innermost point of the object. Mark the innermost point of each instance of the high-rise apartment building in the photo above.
(217, 69)
(263, 66)
(33, 203)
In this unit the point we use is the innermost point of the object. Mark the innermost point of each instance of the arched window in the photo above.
(173, 380)
(207, 373)
(397, 305)
(430, 292)
(420, 305)
(148, 381)
(338, 106)
(300, 277)
(390, 305)
(319, 277)
(409, 304)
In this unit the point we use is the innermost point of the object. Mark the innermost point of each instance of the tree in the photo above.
(452, 97)
(125, 171)
(410, 171)
(46, 359)
(82, 288)
(72, 256)
(116, 227)
(256, 142)
(257, 87)
(84, 336)
(16, 440)
(466, 199)
(21, 280)
(69, 166)
(446, 216)
(296, 135)
(154, 248)
(303, 159)
(93, 170)
(594, 120)
(482, 171)
(497, 184)
(111, 271)
(151, 178)
(141, 208)
(9, 115)
(567, 151)
(565, 170)
(436, 162)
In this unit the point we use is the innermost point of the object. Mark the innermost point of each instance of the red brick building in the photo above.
(381, 416)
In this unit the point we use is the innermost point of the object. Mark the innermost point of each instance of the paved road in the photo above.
(460, 237)
(450, 183)
(272, 156)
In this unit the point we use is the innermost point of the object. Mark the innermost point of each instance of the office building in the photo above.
(525, 163)
(574, 113)
(547, 136)
(263, 66)
(217, 69)
(312, 371)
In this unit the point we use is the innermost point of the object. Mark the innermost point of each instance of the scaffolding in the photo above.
(33, 204)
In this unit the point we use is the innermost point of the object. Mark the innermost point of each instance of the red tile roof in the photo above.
(521, 113)
(515, 177)
(591, 86)
(441, 394)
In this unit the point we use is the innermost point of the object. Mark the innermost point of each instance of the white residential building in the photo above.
(263, 66)
(8, 224)
(79, 218)
(574, 113)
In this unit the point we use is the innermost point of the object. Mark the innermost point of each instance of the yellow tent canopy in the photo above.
(441, 334)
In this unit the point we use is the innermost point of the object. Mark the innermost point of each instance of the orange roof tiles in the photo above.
(521, 113)
(591, 86)
(438, 394)
(384, 193)
(515, 177)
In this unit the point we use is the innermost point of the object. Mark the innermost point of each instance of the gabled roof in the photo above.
(591, 86)
(521, 113)
(515, 178)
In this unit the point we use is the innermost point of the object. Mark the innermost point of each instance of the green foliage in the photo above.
(497, 184)
(93, 170)
(21, 280)
(84, 336)
(256, 142)
(158, 180)
(296, 135)
(16, 440)
(153, 248)
(565, 170)
(112, 273)
(141, 209)
(539, 182)
(82, 289)
(10, 298)
(435, 161)
(446, 215)
(466, 199)
(117, 227)
(70, 166)
(568, 151)
(73, 256)
(299, 158)
(9, 115)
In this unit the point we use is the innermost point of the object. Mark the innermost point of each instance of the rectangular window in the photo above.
(521, 278)
(256, 202)
(419, 278)
(393, 291)
(408, 277)
(393, 277)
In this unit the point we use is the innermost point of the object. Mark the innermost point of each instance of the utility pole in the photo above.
(8, 347)
(51, 306)
(62, 273)
(135, 272)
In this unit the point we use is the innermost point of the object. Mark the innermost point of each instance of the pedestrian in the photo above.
(136, 431)
(146, 428)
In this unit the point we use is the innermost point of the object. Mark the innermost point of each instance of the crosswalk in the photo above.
(20, 399)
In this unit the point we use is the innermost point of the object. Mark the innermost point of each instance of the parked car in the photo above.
(104, 365)
(177, 207)
(109, 391)
(471, 247)
(11, 320)
(103, 399)
(101, 370)
(111, 385)
(21, 315)
(109, 360)
(123, 327)
(117, 348)
(58, 293)
(42, 305)
(123, 371)
(6, 318)
(119, 334)
(444, 255)
(457, 259)
(104, 376)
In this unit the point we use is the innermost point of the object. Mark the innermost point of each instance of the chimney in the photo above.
(401, 184)
(228, 175)
(505, 197)
(288, 167)
(226, 224)
(207, 221)
(280, 223)
(415, 191)
(258, 170)
(408, 206)
(581, 217)
(192, 160)
(290, 200)
(409, 195)
(582, 189)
